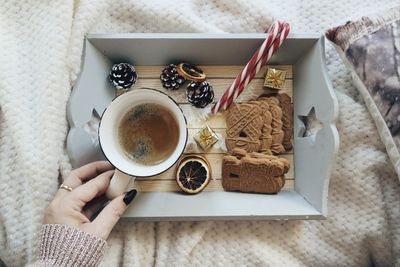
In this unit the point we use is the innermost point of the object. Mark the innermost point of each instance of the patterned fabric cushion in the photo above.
(370, 47)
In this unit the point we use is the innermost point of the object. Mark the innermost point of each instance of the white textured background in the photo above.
(40, 53)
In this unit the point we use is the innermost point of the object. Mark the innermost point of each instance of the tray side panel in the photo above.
(314, 151)
(207, 49)
(161, 206)
(89, 98)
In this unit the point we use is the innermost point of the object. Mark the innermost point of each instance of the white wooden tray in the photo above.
(221, 57)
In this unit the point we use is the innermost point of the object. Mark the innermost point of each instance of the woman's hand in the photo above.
(77, 207)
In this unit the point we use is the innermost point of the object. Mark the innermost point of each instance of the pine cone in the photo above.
(122, 75)
(200, 94)
(170, 78)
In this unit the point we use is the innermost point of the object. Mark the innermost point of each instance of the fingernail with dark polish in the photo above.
(130, 196)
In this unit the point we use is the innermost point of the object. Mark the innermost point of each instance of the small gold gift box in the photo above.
(205, 138)
(275, 79)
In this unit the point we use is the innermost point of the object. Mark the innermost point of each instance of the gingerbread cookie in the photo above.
(264, 125)
(253, 172)
(277, 132)
(266, 130)
(287, 120)
(244, 124)
(261, 155)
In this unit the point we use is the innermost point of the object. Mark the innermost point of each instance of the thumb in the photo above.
(110, 215)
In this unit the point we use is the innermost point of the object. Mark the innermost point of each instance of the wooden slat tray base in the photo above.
(220, 81)
(220, 77)
(153, 185)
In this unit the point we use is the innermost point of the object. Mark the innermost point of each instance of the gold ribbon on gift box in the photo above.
(275, 78)
(206, 137)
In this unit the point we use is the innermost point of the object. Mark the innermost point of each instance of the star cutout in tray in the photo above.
(311, 125)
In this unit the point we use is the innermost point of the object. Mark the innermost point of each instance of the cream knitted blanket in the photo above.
(40, 54)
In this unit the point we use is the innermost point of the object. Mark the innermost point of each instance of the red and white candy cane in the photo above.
(274, 46)
(277, 33)
(232, 91)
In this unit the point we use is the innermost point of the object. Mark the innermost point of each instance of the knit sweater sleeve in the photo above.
(63, 245)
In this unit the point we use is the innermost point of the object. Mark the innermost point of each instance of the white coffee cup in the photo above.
(126, 168)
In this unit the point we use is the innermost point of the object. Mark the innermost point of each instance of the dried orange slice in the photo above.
(193, 174)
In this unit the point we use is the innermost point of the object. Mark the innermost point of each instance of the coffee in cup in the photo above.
(148, 133)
